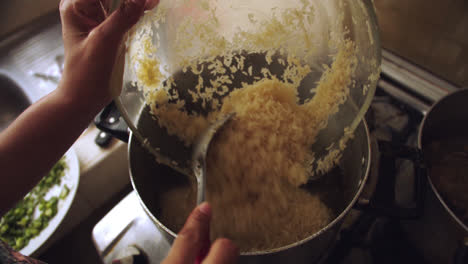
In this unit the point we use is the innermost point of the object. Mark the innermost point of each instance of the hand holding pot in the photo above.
(92, 39)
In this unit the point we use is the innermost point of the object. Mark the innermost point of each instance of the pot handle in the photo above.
(383, 203)
(461, 255)
(110, 122)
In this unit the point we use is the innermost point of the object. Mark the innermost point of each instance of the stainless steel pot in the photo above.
(339, 191)
(440, 233)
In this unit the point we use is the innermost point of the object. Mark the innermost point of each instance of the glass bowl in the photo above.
(298, 41)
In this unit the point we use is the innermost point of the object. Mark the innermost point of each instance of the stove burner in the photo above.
(372, 238)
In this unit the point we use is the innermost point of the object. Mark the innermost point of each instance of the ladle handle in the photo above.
(383, 203)
(199, 169)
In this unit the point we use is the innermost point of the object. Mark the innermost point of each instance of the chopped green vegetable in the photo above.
(19, 225)
(4, 229)
(64, 192)
(20, 242)
(37, 224)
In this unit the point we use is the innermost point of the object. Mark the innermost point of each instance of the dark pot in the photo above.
(440, 234)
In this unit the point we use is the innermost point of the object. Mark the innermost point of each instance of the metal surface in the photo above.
(13, 101)
(127, 224)
(439, 232)
(402, 96)
(151, 181)
(447, 118)
(199, 155)
(414, 78)
(32, 53)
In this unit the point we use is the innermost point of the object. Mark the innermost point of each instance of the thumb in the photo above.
(193, 238)
(121, 20)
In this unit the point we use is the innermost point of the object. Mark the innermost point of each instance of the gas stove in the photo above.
(403, 96)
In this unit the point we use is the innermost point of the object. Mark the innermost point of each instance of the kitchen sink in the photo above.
(13, 101)
(28, 63)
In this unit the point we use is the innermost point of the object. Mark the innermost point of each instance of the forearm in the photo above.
(32, 144)
(42, 134)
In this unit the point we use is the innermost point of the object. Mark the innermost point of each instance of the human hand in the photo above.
(192, 244)
(92, 39)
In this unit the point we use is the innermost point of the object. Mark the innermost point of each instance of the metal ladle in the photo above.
(198, 162)
(199, 155)
(196, 165)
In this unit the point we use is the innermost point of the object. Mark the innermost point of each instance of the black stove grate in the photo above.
(373, 238)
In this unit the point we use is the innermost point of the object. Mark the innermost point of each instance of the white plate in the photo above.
(71, 179)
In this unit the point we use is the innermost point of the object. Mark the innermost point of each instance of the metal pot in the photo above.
(151, 181)
(440, 234)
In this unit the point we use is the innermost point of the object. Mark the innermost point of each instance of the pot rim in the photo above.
(329, 226)
(420, 134)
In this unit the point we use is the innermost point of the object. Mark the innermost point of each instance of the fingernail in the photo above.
(205, 208)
